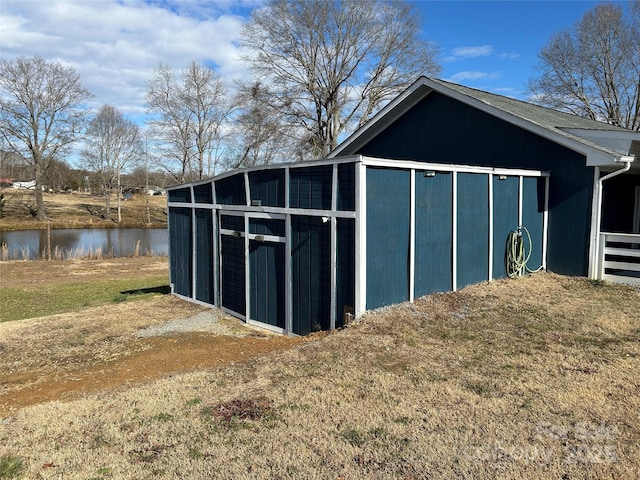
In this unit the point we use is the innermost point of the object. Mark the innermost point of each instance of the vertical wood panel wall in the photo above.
(295, 248)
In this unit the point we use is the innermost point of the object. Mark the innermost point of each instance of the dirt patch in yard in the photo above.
(147, 359)
(64, 356)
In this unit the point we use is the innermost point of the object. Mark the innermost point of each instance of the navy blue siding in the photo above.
(267, 187)
(204, 257)
(310, 187)
(233, 273)
(267, 226)
(232, 222)
(230, 190)
(505, 219)
(181, 249)
(433, 236)
(180, 195)
(345, 268)
(387, 236)
(311, 274)
(472, 244)
(347, 186)
(203, 193)
(533, 217)
(267, 283)
(434, 127)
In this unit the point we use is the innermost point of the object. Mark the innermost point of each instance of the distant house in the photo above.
(6, 182)
(420, 199)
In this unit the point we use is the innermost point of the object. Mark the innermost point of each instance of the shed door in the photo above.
(267, 279)
(232, 263)
(311, 274)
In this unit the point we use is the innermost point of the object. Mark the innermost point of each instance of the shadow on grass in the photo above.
(163, 290)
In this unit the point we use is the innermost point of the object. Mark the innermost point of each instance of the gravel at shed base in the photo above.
(213, 321)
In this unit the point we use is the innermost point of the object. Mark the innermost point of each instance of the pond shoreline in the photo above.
(19, 226)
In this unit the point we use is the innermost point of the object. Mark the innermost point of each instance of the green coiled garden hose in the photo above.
(516, 256)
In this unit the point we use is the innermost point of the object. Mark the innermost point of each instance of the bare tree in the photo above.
(330, 65)
(259, 135)
(191, 108)
(113, 143)
(593, 69)
(41, 113)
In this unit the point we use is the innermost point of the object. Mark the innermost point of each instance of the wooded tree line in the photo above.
(321, 70)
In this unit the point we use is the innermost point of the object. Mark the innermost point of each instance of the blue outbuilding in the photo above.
(421, 199)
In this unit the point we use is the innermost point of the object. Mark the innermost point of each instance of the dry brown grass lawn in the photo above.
(534, 378)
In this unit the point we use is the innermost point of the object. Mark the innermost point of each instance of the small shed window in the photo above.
(203, 193)
(182, 195)
(311, 187)
(230, 190)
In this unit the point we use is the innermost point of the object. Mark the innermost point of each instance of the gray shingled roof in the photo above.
(542, 116)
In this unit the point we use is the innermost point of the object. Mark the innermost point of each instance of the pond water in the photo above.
(77, 243)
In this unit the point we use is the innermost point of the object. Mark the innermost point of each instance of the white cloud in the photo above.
(472, 75)
(460, 53)
(115, 45)
(471, 52)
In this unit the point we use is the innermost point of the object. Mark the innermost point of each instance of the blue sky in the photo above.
(116, 45)
(493, 45)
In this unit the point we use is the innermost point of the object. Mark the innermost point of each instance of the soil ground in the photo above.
(64, 356)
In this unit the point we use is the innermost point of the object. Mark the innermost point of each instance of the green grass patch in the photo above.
(38, 301)
(10, 466)
(354, 436)
(164, 417)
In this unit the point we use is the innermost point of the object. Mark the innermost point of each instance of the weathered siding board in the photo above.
(472, 224)
(433, 130)
(311, 274)
(181, 250)
(533, 217)
(505, 218)
(267, 295)
(204, 275)
(433, 233)
(267, 187)
(388, 226)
